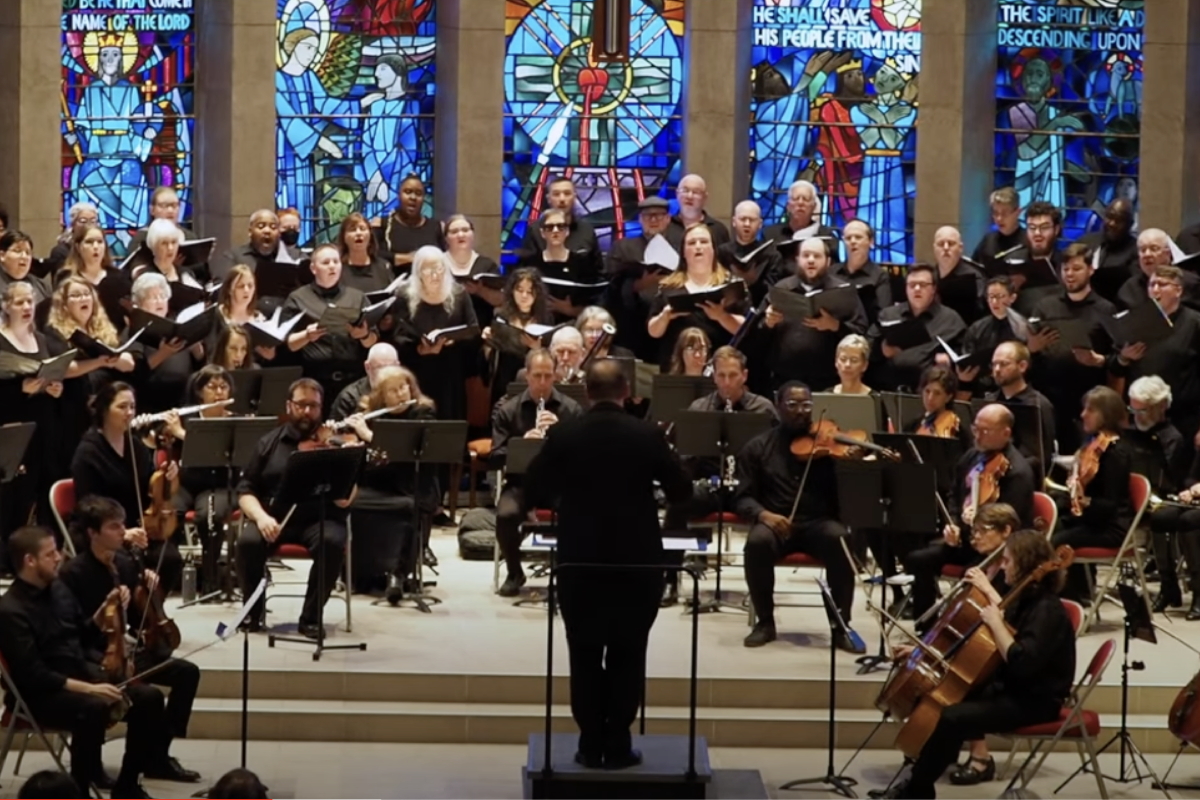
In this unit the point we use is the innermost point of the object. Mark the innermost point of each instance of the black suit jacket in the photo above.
(598, 471)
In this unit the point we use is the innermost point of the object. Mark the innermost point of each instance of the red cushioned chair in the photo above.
(1074, 724)
(1075, 614)
(62, 503)
(1115, 557)
(795, 561)
(298, 552)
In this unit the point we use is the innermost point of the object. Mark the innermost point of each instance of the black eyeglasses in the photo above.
(554, 226)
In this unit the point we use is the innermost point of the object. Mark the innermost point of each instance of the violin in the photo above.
(826, 440)
(944, 424)
(1087, 464)
(117, 662)
(158, 632)
(986, 488)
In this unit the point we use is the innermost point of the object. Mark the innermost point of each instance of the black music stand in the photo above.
(830, 781)
(521, 452)
(322, 474)
(672, 394)
(892, 498)
(14, 441)
(419, 442)
(718, 434)
(262, 391)
(942, 453)
(223, 443)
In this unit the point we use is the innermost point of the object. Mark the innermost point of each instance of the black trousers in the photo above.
(170, 573)
(508, 527)
(704, 501)
(385, 543)
(608, 620)
(1072, 531)
(925, 565)
(211, 536)
(1174, 525)
(253, 549)
(182, 678)
(991, 711)
(819, 538)
(87, 719)
(890, 547)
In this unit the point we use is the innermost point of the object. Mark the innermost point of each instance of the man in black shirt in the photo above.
(769, 480)
(993, 438)
(1154, 251)
(802, 223)
(692, 194)
(632, 286)
(960, 283)
(581, 237)
(42, 634)
(1009, 235)
(528, 415)
(755, 261)
(267, 524)
(873, 283)
(277, 268)
(90, 575)
(1114, 249)
(903, 366)
(1010, 362)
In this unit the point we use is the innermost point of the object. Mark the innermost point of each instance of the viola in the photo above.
(1087, 464)
(159, 633)
(159, 518)
(987, 485)
(944, 424)
(117, 662)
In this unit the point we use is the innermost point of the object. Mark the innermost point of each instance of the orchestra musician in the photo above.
(529, 414)
(41, 637)
(112, 461)
(1097, 510)
(690, 355)
(406, 230)
(91, 576)
(769, 482)
(852, 357)
(937, 388)
(267, 525)
(566, 345)
(1036, 642)
(590, 323)
(993, 471)
(391, 514)
(380, 356)
(699, 271)
(608, 613)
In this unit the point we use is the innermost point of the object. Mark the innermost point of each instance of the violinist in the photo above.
(528, 415)
(91, 576)
(204, 490)
(1097, 511)
(265, 522)
(111, 461)
(993, 471)
(388, 535)
(769, 482)
(1036, 643)
(42, 638)
(937, 389)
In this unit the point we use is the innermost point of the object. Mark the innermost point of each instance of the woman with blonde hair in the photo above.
(853, 354)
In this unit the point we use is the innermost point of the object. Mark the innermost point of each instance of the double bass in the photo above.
(956, 656)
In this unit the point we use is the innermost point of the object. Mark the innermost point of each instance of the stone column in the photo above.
(955, 133)
(1169, 181)
(31, 135)
(469, 131)
(234, 166)
(716, 136)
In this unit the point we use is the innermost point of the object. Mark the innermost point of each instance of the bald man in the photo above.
(692, 195)
(379, 356)
(760, 271)
(960, 283)
(276, 278)
(1154, 251)
(993, 431)
(1115, 249)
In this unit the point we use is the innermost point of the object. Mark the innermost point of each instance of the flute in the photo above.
(145, 420)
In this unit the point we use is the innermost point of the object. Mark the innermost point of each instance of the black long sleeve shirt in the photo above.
(796, 351)
(1032, 449)
(1040, 664)
(514, 417)
(873, 283)
(1055, 369)
(97, 469)
(41, 636)
(90, 581)
(906, 367)
(983, 336)
(1016, 485)
(1109, 508)
(263, 476)
(769, 477)
(1176, 360)
(581, 241)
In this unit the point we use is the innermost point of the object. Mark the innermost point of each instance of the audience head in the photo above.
(237, 784)
(49, 784)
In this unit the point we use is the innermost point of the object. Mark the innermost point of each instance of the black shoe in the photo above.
(763, 633)
(443, 520)
(103, 781)
(670, 595)
(309, 630)
(968, 774)
(133, 790)
(428, 558)
(172, 770)
(623, 760)
(1193, 613)
(850, 644)
(589, 760)
(512, 585)
(395, 589)
(1169, 596)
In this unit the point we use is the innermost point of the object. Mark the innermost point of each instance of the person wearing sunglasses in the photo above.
(558, 262)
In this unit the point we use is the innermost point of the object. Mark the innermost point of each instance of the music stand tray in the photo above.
(325, 474)
(672, 394)
(14, 441)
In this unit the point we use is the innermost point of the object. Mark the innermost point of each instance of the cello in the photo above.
(957, 655)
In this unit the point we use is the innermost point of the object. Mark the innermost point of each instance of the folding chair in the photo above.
(18, 719)
(298, 552)
(62, 503)
(795, 561)
(1074, 724)
(1115, 557)
(1045, 510)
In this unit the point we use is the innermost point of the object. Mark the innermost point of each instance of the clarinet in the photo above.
(727, 478)
(541, 406)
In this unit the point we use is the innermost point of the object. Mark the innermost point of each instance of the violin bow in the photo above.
(936, 496)
(162, 551)
(804, 478)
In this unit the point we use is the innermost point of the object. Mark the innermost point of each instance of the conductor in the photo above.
(599, 471)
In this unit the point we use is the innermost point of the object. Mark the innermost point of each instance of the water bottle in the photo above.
(189, 580)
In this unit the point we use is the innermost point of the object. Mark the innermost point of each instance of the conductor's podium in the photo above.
(662, 773)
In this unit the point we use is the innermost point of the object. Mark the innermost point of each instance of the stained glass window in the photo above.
(354, 99)
(1069, 99)
(835, 102)
(127, 108)
(615, 129)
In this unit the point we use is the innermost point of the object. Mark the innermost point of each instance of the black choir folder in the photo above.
(192, 253)
(734, 291)
(507, 337)
(454, 333)
(93, 348)
(577, 293)
(159, 328)
(905, 333)
(45, 369)
(1146, 324)
(487, 279)
(1072, 332)
(272, 332)
(841, 302)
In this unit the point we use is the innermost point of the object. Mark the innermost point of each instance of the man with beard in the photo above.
(872, 281)
(581, 236)
(277, 269)
(632, 285)
(267, 525)
(1065, 373)
(768, 481)
(1154, 251)
(1010, 362)
(1043, 225)
(692, 194)
(1114, 249)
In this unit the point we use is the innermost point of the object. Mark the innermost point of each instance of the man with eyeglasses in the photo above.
(1176, 359)
(1154, 251)
(581, 236)
(1065, 373)
(1043, 225)
(1002, 324)
(903, 367)
(769, 483)
(993, 446)
(806, 349)
(267, 525)
(1006, 216)
(277, 270)
(164, 204)
(691, 195)
(1010, 363)
(803, 206)
(632, 286)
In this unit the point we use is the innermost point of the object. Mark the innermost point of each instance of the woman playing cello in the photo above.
(1036, 644)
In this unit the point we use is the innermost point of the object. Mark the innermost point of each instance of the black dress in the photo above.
(717, 336)
(19, 498)
(69, 413)
(372, 277)
(442, 376)
(482, 265)
(395, 238)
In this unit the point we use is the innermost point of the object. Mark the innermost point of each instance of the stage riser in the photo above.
(800, 693)
(463, 727)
